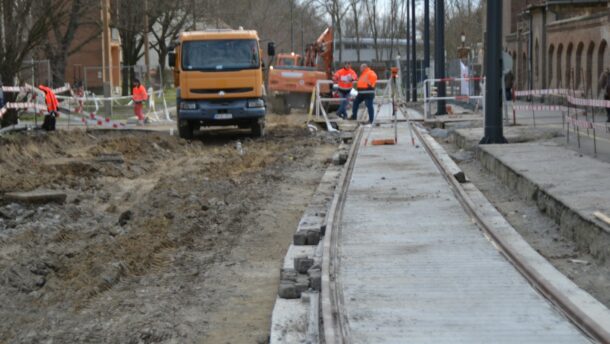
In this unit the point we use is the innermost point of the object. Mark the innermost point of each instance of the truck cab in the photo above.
(219, 81)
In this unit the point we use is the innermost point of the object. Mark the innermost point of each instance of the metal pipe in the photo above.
(426, 38)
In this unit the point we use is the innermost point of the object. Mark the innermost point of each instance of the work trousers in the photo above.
(138, 110)
(49, 121)
(368, 99)
(342, 112)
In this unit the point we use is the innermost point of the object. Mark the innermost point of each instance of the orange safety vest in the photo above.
(345, 78)
(50, 98)
(367, 80)
(139, 94)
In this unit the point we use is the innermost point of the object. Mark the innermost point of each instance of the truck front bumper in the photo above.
(219, 112)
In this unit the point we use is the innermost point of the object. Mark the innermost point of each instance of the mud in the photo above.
(160, 240)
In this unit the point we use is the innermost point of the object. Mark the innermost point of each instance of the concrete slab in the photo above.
(37, 197)
(414, 266)
(567, 186)
(468, 138)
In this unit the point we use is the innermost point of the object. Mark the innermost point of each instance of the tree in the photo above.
(75, 15)
(373, 22)
(171, 20)
(356, 6)
(24, 26)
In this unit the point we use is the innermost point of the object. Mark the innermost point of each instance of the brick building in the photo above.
(85, 65)
(558, 43)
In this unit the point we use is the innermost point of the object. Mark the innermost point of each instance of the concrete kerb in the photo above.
(588, 234)
(296, 313)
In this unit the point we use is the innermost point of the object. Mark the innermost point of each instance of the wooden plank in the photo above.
(602, 217)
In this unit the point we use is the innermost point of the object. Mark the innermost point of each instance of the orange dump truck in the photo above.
(219, 80)
(292, 78)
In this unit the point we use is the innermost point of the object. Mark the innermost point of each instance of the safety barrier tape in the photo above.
(580, 123)
(540, 107)
(589, 102)
(550, 92)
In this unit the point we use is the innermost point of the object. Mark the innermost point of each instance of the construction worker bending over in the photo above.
(139, 96)
(344, 78)
(366, 92)
(52, 104)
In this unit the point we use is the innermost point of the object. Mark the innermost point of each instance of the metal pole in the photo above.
(414, 51)
(426, 38)
(407, 83)
(107, 59)
(291, 26)
(439, 54)
(493, 71)
(146, 43)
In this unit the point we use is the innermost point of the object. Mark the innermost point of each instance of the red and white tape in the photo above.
(539, 108)
(589, 102)
(547, 92)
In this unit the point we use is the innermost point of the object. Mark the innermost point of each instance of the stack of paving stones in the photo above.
(301, 273)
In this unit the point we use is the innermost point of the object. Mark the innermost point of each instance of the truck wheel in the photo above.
(185, 129)
(258, 127)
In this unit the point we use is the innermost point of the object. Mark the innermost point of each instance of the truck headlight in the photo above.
(256, 103)
(188, 105)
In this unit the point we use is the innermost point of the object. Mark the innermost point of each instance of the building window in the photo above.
(550, 76)
(579, 69)
(589, 70)
(559, 82)
(601, 59)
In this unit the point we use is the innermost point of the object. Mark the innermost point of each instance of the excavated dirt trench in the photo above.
(160, 240)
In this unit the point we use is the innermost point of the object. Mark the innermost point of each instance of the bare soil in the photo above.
(160, 240)
(539, 230)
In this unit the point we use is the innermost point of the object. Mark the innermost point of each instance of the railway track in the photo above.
(590, 317)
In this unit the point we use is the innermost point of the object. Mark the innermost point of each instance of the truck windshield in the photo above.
(220, 55)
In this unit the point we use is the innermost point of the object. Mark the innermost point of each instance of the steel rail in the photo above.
(572, 311)
(334, 320)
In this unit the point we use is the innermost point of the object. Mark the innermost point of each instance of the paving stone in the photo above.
(288, 290)
(302, 264)
(315, 278)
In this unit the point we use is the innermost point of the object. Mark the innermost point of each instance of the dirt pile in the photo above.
(125, 260)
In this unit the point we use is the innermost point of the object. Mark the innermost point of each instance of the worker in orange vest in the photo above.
(344, 78)
(139, 96)
(366, 92)
(52, 106)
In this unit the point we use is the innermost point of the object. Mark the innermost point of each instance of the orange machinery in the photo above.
(292, 78)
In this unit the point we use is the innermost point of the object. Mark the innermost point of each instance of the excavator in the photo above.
(293, 77)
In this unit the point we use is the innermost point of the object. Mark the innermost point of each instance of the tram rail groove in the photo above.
(587, 322)
(334, 330)
(586, 313)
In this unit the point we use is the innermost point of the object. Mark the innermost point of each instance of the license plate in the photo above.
(223, 116)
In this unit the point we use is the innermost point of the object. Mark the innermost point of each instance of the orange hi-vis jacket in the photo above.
(345, 78)
(367, 80)
(50, 98)
(139, 94)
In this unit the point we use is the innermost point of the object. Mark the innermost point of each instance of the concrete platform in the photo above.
(469, 138)
(415, 268)
(567, 186)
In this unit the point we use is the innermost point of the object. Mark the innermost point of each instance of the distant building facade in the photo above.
(558, 43)
(385, 50)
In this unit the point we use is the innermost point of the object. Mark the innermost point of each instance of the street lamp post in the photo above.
(439, 54)
(493, 71)
(414, 51)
